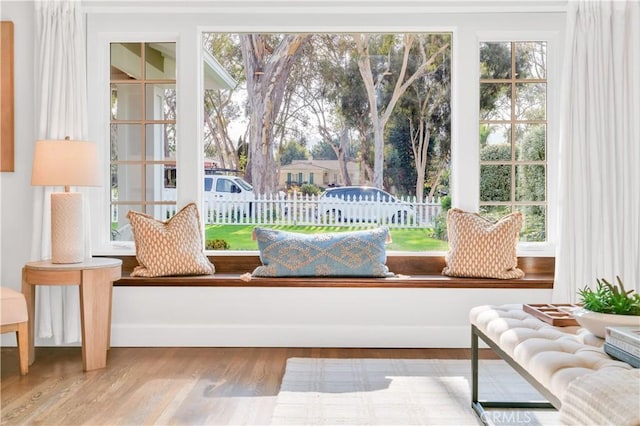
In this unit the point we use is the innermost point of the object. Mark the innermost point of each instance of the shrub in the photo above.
(440, 222)
(217, 245)
(445, 202)
(497, 152)
(495, 182)
(440, 227)
(310, 189)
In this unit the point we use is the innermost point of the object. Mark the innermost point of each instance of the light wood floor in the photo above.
(186, 386)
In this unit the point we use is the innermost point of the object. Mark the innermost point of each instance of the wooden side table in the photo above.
(95, 276)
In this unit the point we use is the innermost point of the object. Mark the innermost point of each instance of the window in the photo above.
(221, 79)
(333, 101)
(142, 131)
(513, 133)
(224, 185)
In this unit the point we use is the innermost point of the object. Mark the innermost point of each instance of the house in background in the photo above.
(322, 173)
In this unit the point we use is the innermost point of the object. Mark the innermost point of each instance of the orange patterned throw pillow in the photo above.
(169, 248)
(480, 248)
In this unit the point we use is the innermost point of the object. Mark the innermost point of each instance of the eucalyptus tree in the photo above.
(438, 119)
(267, 59)
(324, 89)
(370, 48)
(427, 108)
(354, 107)
(336, 94)
(292, 121)
(220, 108)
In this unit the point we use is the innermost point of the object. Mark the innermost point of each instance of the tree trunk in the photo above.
(362, 130)
(420, 147)
(342, 156)
(364, 65)
(368, 172)
(436, 180)
(267, 72)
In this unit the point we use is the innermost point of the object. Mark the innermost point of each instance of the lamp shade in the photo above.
(65, 163)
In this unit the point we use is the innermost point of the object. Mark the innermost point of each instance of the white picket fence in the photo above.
(309, 210)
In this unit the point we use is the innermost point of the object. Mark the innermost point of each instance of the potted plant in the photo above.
(608, 305)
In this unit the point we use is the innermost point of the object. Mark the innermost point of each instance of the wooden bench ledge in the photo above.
(414, 281)
(412, 272)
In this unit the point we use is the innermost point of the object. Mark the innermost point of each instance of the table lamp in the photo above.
(66, 163)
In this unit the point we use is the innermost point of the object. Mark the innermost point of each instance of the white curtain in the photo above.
(61, 110)
(599, 193)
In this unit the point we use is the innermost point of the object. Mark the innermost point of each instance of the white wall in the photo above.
(256, 316)
(16, 198)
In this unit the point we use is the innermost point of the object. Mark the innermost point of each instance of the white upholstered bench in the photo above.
(549, 357)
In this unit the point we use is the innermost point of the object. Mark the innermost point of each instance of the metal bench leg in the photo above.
(480, 406)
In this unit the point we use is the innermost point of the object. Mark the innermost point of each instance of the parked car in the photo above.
(363, 204)
(224, 193)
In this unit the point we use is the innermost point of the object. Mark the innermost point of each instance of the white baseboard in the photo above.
(290, 336)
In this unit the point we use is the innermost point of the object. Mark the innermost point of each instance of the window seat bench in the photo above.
(399, 312)
(411, 272)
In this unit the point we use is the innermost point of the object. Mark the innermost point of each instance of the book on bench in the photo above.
(623, 343)
(622, 355)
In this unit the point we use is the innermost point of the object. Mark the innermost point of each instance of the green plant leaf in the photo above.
(610, 298)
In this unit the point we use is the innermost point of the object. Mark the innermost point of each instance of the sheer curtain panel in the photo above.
(61, 105)
(600, 148)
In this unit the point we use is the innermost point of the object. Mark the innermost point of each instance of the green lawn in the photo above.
(239, 236)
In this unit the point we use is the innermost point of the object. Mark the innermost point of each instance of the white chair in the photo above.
(14, 318)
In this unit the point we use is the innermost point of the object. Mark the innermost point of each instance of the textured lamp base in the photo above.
(67, 228)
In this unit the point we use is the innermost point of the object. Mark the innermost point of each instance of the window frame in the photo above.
(104, 27)
(546, 248)
(513, 162)
(144, 121)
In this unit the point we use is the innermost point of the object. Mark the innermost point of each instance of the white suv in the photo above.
(224, 193)
(363, 204)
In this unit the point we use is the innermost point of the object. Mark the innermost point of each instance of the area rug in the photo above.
(322, 391)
